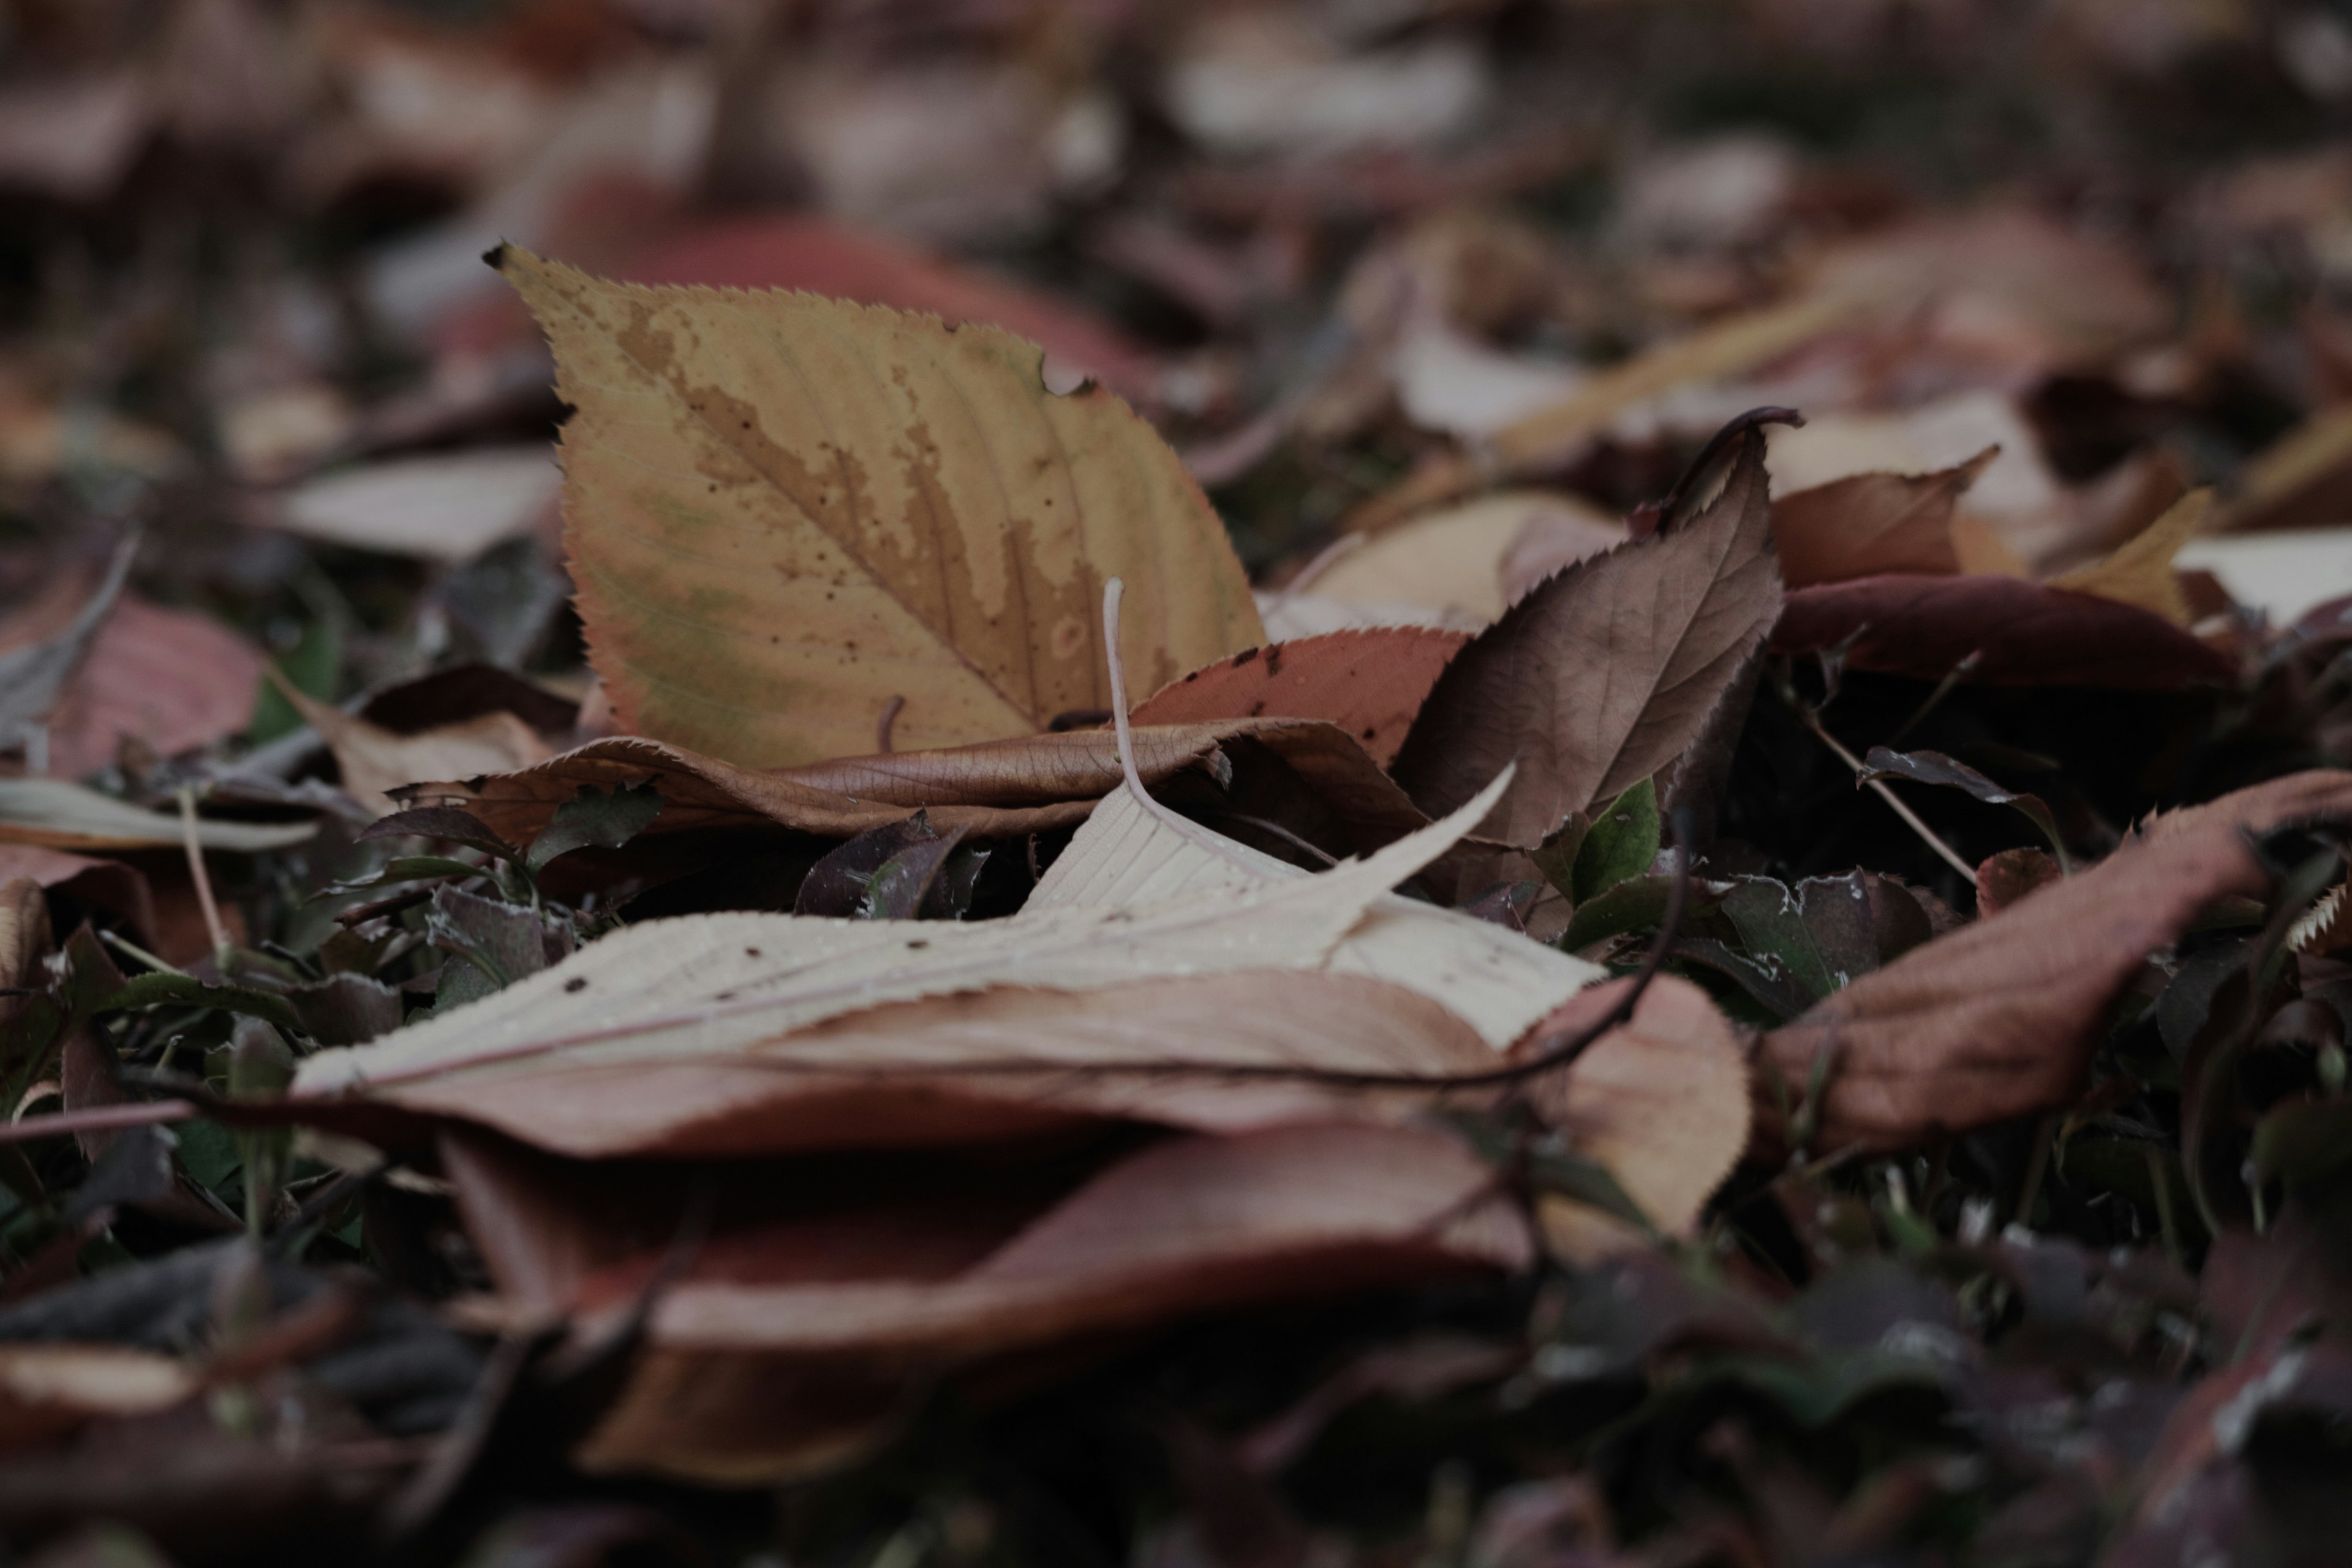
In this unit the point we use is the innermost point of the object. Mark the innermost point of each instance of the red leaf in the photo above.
(1371, 683)
(2024, 633)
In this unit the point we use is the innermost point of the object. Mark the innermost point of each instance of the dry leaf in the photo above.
(1605, 673)
(1999, 1019)
(2302, 480)
(2284, 573)
(375, 760)
(2140, 571)
(448, 507)
(170, 679)
(1294, 617)
(785, 512)
(734, 985)
(23, 943)
(46, 1389)
(1450, 561)
(1866, 524)
(795, 1340)
(54, 815)
(1662, 1101)
(994, 790)
(2021, 633)
(33, 673)
(1368, 683)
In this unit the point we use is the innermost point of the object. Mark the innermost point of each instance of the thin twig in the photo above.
(882, 725)
(222, 946)
(96, 1119)
(115, 940)
(1911, 818)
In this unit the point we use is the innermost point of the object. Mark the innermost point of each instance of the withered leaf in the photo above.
(783, 513)
(1866, 525)
(1999, 1019)
(1603, 674)
(2020, 633)
(1368, 682)
(995, 789)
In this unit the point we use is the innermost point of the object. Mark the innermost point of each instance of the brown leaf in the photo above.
(1866, 525)
(172, 679)
(793, 1335)
(1661, 1100)
(2005, 877)
(783, 512)
(1605, 674)
(1005, 1062)
(995, 789)
(1368, 683)
(1999, 1019)
(23, 941)
(2139, 570)
(2025, 634)
(375, 760)
(46, 1389)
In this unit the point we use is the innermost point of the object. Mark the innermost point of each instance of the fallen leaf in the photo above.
(54, 815)
(2285, 575)
(2302, 480)
(1452, 560)
(46, 1389)
(1866, 525)
(1368, 683)
(823, 256)
(448, 507)
(784, 1347)
(1935, 768)
(174, 681)
(1126, 903)
(2140, 571)
(375, 760)
(33, 676)
(1999, 1019)
(2021, 633)
(995, 789)
(109, 885)
(936, 528)
(74, 138)
(1662, 1101)
(1605, 673)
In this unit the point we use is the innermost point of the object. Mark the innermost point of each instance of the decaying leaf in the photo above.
(993, 789)
(1866, 525)
(54, 815)
(1126, 907)
(169, 681)
(1661, 1102)
(50, 1388)
(33, 677)
(375, 760)
(1368, 683)
(2021, 633)
(1605, 674)
(783, 512)
(2140, 571)
(1999, 1019)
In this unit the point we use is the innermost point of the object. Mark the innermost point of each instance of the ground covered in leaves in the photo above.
(1472, 784)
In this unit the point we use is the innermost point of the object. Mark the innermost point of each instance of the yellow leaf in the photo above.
(783, 511)
(2140, 571)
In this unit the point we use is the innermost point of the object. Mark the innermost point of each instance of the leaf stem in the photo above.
(1911, 818)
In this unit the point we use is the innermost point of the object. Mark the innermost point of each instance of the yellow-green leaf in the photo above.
(783, 512)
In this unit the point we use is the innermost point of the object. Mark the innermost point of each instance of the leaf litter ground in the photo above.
(1639, 985)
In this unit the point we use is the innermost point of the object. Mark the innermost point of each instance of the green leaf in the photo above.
(590, 820)
(185, 990)
(2303, 1140)
(1629, 906)
(1771, 920)
(1622, 843)
(408, 868)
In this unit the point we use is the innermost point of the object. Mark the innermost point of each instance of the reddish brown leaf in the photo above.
(795, 1333)
(2005, 877)
(1868, 524)
(993, 789)
(2023, 634)
(1603, 674)
(1370, 683)
(170, 679)
(1999, 1019)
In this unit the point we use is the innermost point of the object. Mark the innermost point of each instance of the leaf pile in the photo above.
(1490, 786)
